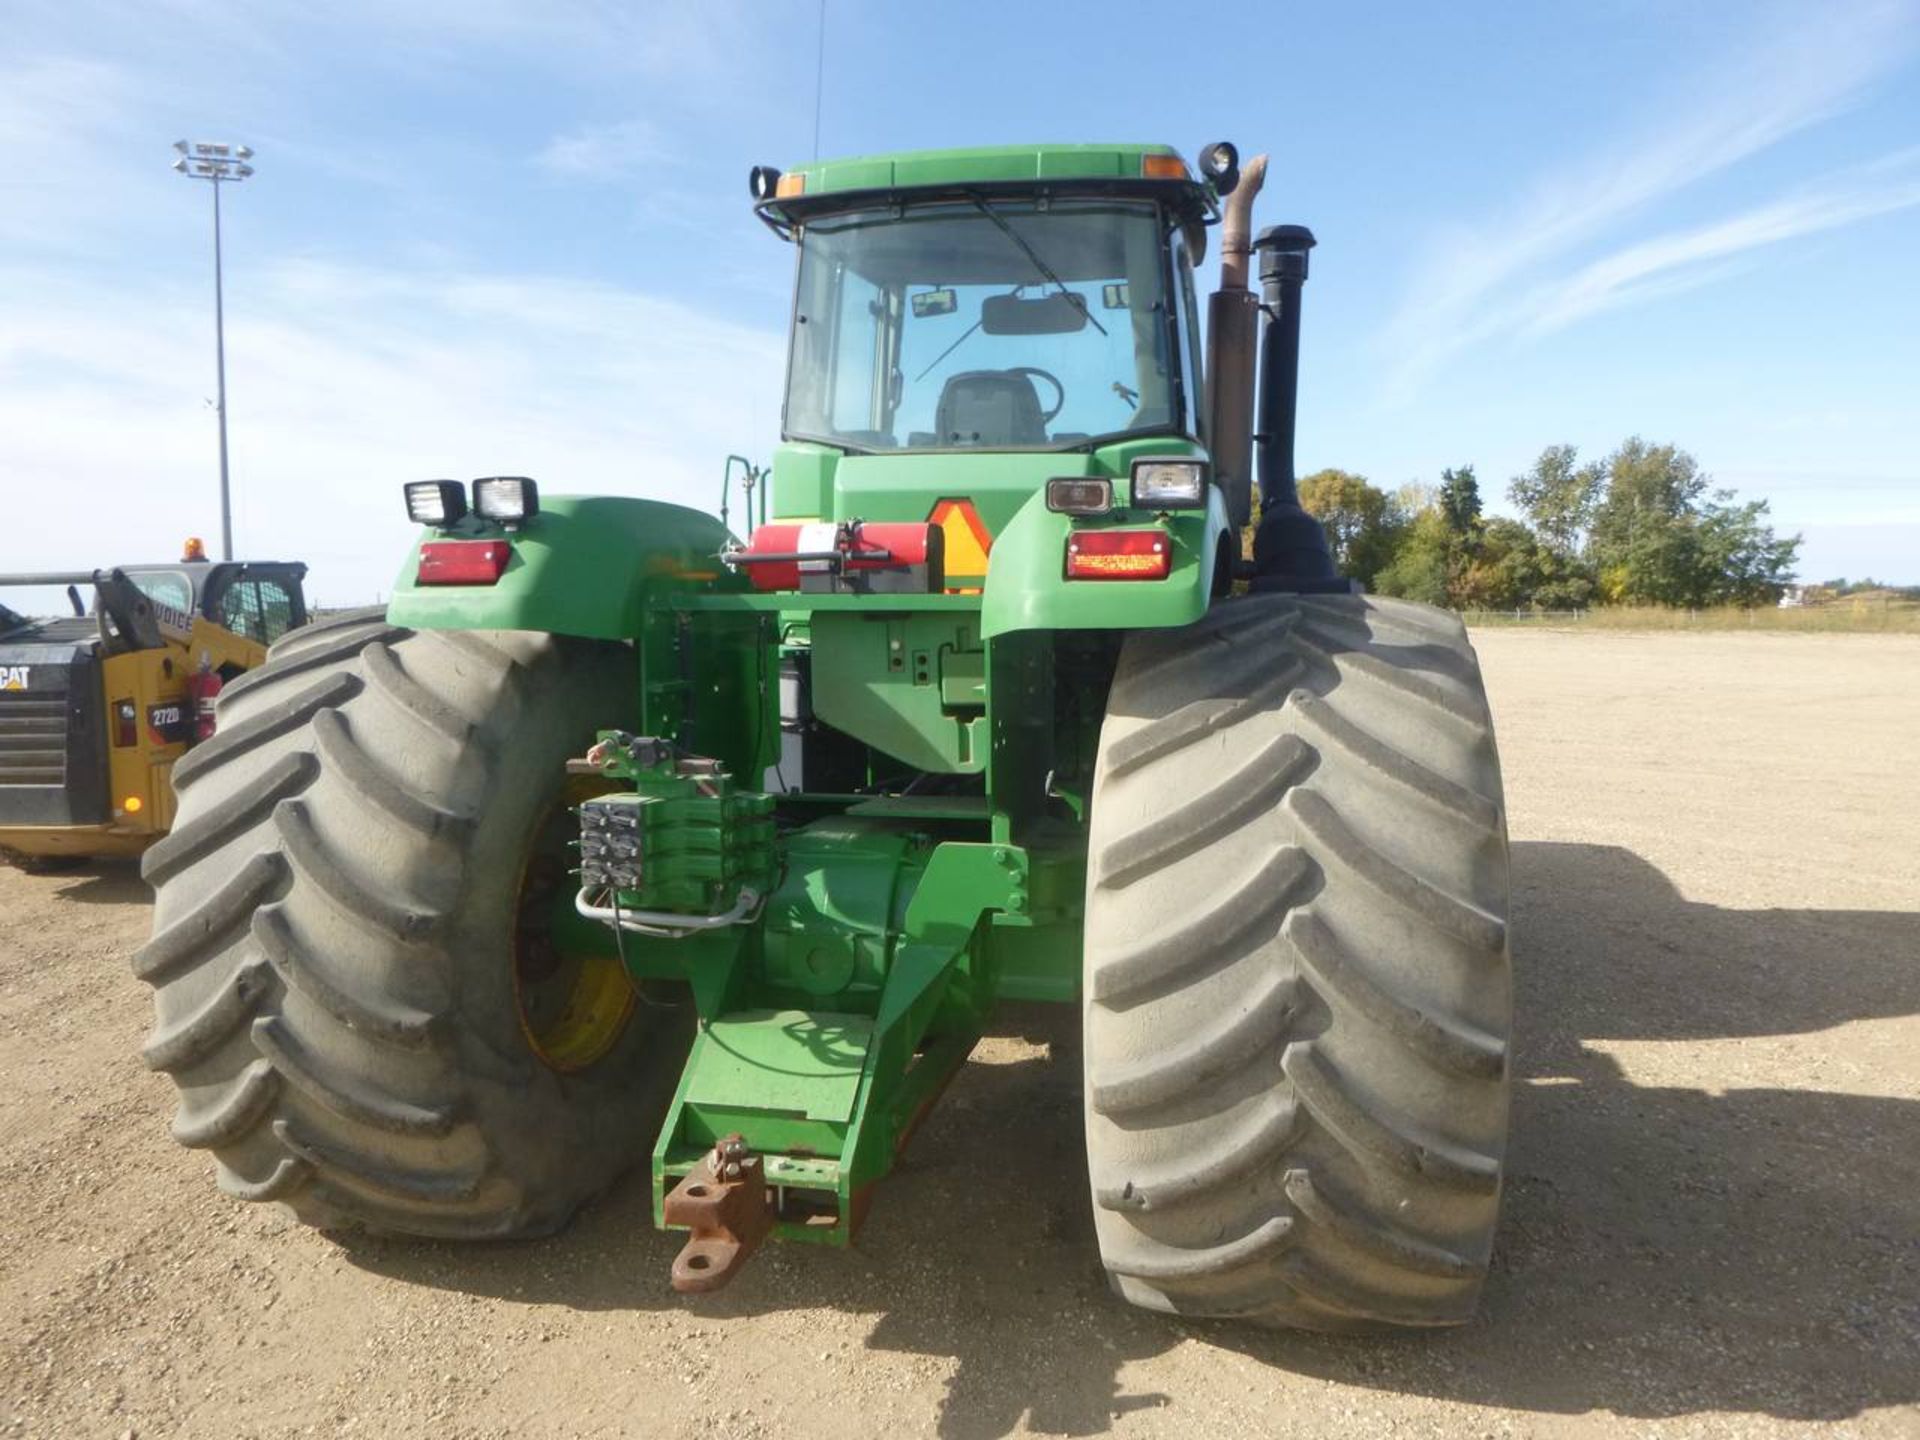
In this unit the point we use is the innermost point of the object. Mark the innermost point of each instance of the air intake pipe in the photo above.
(1289, 546)
(1233, 333)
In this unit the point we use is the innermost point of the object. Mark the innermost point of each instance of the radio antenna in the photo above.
(819, 74)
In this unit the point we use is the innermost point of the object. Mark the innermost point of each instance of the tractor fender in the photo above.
(1027, 586)
(583, 566)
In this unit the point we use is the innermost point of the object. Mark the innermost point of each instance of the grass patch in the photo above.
(1863, 615)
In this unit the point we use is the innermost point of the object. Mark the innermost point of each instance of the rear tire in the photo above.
(1298, 990)
(337, 923)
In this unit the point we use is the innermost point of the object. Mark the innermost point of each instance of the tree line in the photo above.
(1642, 526)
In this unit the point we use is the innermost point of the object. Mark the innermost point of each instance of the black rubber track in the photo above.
(332, 946)
(1297, 976)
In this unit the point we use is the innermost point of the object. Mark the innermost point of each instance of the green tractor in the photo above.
(617, 837)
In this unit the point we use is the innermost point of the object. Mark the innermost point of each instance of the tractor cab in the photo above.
(995, 364)
(1034, 305)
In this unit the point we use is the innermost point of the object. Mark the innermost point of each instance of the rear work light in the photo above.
(1171, 484)
(1080, 497)
(511, 498)
(462, 562)
(436, 502)
(1119, 555)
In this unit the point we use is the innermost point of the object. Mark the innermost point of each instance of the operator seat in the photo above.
(989, 407)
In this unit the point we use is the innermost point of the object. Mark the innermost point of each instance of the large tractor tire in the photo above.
(1298, 990)
(356, 988)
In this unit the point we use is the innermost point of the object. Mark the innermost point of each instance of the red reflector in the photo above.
(1119, 555)
(462, 562)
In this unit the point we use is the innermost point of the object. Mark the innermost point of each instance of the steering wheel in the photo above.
(1060, 391)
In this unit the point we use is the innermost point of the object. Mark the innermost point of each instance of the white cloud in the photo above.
(1804, 70)
(1691, 257)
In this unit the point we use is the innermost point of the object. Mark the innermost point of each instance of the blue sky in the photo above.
(497, 238)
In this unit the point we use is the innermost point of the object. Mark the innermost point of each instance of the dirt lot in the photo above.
(1712, 1222)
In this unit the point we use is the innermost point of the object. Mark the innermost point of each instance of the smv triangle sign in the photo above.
(967, 544)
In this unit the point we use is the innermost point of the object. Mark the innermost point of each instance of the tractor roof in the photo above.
(1146, 170)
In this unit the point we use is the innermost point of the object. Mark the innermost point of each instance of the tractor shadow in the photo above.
(1664, 1250)
(100, 882)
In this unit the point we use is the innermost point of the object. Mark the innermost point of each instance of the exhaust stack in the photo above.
(1289, 546)
(1233, 332)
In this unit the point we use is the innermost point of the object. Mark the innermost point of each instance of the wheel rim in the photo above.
(574, 1004)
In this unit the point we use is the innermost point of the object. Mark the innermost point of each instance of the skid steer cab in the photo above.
(97, 705)
(622, 839)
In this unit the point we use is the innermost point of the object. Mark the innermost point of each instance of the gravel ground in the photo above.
(1712, 1224)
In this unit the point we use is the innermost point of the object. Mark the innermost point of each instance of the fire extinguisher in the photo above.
(203, 686)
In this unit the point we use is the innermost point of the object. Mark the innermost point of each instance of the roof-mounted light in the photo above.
(1220, 163)
(1163, 167)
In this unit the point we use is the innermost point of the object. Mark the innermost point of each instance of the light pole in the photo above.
(217, 163)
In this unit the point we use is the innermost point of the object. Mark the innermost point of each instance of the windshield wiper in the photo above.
(1046, 271)
(948, 351)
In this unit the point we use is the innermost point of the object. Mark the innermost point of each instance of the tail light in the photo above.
(126, 723)
(1119, 555)
(462, 562)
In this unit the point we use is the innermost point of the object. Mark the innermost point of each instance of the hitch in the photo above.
(724, 1203)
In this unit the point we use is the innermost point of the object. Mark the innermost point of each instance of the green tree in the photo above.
(1655, 540)
(1460, 499)
(1559, 496)
(1363, 523)
(1420, 565)
(1743, 562)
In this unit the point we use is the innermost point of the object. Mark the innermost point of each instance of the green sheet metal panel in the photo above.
(796, 1062)
(880, 682)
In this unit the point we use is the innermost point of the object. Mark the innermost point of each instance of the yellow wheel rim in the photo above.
(573, 1006)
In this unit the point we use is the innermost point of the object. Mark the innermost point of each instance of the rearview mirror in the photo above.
(934, 302)
(1060, 313)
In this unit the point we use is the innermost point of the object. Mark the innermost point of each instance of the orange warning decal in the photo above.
(967, 544)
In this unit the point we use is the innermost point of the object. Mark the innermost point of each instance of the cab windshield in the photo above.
(989, 323)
